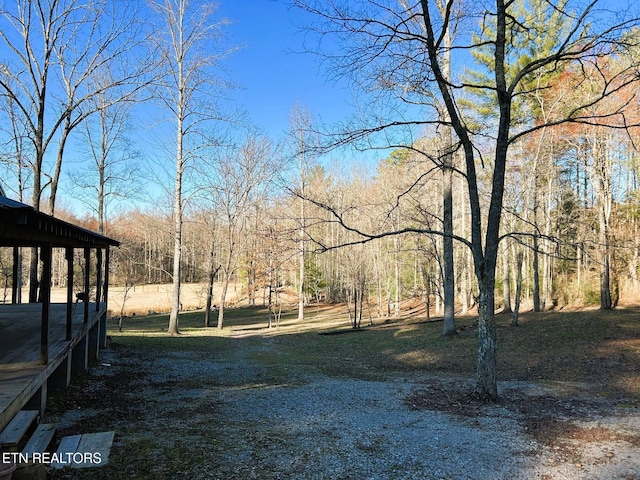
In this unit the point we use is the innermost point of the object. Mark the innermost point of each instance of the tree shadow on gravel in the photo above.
(552, 416)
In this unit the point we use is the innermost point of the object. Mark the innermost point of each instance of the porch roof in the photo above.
(24, 226)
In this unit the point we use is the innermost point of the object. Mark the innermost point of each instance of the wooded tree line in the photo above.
(489, 81)
(508, 168)
(260, 236)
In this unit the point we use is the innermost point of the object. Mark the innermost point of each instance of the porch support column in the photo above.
(98, 277)
(17, 282)
(87, 285)
(45, 296)
(69, 257)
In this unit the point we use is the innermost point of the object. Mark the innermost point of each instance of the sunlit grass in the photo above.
(589, 346)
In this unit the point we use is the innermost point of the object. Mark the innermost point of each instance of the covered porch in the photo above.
(43, 343)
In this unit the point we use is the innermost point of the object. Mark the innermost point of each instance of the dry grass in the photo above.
(594, 347)
(156, 298)
(145, 299)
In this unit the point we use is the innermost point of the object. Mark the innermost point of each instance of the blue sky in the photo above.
(271, 69)
(274, 77)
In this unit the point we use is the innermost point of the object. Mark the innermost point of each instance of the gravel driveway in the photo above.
(179, 415)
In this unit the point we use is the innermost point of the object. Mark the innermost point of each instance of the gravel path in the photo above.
(227, 419)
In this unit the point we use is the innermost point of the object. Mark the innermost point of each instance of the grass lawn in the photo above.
(173, 398)
(591, 346)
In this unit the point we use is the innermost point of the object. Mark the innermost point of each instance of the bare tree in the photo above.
(53, 47)
(300, 122)
(237, 179)
(380, 42)
(446, 157)
(128, 271)
(189, 54)
(112, 173)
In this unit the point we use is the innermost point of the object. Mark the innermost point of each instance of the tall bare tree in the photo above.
(52, 48)
(112, 172)
(186, 43)
(381, 43)
(300, 123)
(238, 179)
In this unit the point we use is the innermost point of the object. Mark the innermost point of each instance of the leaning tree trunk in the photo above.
(448, 323)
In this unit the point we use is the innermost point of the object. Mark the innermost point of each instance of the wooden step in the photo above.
(41, 438)
(87, 450)
(17, 428)
(69, 444)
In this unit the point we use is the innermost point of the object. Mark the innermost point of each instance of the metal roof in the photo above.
(24, 226)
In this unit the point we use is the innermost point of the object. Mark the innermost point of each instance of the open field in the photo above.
(156, 298)
(392, 400)
(143, 299)
(148, 299)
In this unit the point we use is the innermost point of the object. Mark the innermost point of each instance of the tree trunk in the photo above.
(210, 280)
(101, 196)
(486, 376)
(223, 297)
(448, 320)
(270, 309)
(516, 310)
(506, 286)
(635, 259)
(396, 269)
(33, 275)
(605, 280)
(448, 324)
(438, 292)
(301, 252)
(427, 291)
(209, 302)
(465, 284)
(177, 238)
(536, 274)
(35, 203)
(64, 134)
(601, 174)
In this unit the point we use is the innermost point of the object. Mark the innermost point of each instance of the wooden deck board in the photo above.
(20, 330)
(20, 368)
(87, 450)
(41, 438)
(17, 428)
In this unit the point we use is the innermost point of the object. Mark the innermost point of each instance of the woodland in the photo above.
(506, 133)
